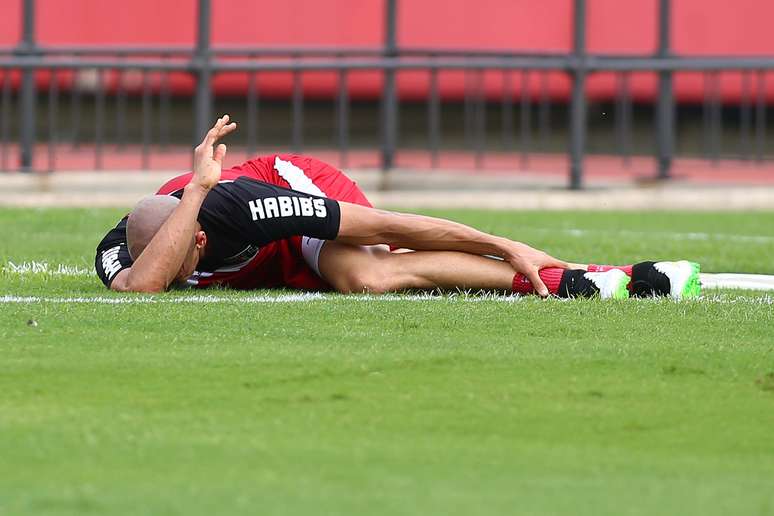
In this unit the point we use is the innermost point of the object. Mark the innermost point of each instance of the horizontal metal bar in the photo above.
(393, 64)
(37, 63)
(590, 64)
(461, 52)
(318, 51)
(187, 50)
(677, 63)
(104, 49)
(566, 63)
(289, 64)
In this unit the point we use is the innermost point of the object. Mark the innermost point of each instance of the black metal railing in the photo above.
(102, 75)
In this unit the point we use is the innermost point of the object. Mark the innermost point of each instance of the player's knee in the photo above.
(373, 272)
(370, 281)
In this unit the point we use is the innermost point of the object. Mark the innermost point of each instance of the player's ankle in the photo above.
(593, 267)
(610, 284)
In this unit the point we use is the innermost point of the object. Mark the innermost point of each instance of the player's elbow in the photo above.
(146, 287)
(142, 286)
(128, 281)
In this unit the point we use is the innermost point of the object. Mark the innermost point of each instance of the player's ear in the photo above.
(201, 239)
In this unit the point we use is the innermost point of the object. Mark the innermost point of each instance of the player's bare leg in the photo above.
(375, 269)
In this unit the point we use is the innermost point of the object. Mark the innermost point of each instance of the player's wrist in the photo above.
(195, 189)
(501, 247)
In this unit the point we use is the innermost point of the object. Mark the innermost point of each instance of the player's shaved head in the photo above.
(146, 219)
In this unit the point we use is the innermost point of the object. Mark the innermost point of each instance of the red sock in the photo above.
(604, 268)
(551, 276)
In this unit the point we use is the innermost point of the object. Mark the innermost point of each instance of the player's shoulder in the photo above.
(269, 167)
(175, 184)
(259, 168)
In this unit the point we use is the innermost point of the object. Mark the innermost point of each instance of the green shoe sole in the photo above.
(692, 287)
(622, 291)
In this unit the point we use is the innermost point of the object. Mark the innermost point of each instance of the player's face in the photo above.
(189, 266)
(189, 263)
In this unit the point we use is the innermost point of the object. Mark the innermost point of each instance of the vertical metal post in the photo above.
(342, 117)
(578, 102)
(525, 118)
(27, 123)
(297, 136)
(434, 117)
(716, 119)
(544, 112)
(75, 109)
(99, 118)
(507, 111)
(120, 133)
(389, 92)
(706, 114)
(665, 122)
(146, 118)
(760, 116)
(252, 113)
(744, 118)
(164, 101)
(479, 112)
(5, 115)
(53, 101)
(468, 108)
(203, 102)
(623, 118)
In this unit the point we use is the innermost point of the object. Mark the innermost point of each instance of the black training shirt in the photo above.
(238, 217)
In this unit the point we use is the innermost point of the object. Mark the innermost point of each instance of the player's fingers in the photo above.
(227, 129)
(212, 134)
(220, 153)
(222, 121)
(534, 277)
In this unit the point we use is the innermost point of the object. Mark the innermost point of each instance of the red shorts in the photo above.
(281, 263)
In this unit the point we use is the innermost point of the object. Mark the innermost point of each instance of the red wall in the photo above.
(699, 27)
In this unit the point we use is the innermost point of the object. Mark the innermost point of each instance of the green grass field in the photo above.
(271, 403)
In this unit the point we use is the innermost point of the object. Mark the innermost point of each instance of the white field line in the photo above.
(738, 281)
(301, 297)
(105, 300)
(576, 232)
(709, 281)
(310, 297)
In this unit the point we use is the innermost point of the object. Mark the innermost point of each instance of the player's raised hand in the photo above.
(208, 159)
(529, 261)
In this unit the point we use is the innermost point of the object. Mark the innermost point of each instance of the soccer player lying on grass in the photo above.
(245, 228)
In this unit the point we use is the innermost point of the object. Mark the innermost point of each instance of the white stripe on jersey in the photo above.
(296, 178)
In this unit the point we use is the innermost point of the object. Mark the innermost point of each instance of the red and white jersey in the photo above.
(277, 264)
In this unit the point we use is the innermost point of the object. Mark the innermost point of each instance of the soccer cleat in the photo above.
(683, 278)
(612, 284)
(675, 279)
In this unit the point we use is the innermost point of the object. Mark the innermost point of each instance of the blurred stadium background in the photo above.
(555, 93)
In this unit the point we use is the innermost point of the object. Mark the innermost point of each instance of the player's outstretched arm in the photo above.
(160, 262)
(367, 226)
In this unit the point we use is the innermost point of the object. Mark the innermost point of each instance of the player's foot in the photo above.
(675, 279)
(612, 284)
